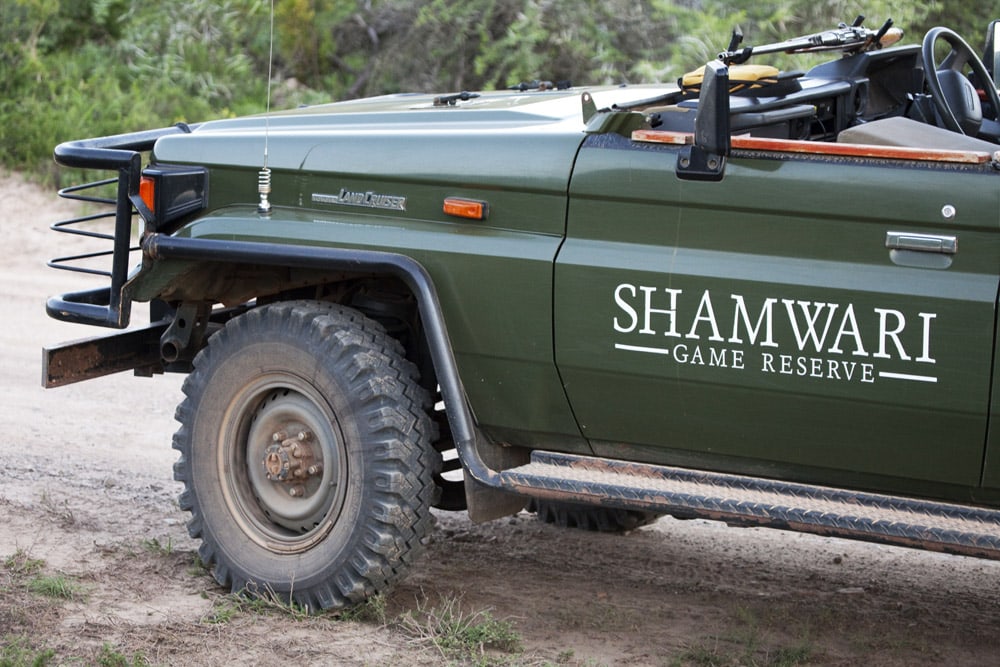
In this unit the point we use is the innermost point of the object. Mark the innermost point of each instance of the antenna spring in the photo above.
(264, 190)
(264, 176)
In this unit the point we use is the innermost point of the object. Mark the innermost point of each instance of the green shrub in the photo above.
(81, 68)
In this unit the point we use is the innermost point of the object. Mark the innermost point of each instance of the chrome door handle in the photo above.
(940, 243)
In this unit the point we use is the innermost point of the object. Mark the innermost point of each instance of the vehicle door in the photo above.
(822, 318)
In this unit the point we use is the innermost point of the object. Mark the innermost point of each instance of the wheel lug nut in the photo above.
(296, 491)
(279, 436)
(315, 469)
(304, 435)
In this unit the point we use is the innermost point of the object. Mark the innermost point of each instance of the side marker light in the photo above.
(466, 208)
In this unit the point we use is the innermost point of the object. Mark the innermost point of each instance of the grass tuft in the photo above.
(458, 634)
(372, 610)
(111, 657)
(22, 564)
(157, 548)
(254, 600)
(58, 510)
(56, 586)
(747, 645)
(18, 652)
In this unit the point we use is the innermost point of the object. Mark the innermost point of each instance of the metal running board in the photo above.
(754, 501)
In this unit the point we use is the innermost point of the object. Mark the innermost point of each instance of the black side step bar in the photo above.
(752, 501)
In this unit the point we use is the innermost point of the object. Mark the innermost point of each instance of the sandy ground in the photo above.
(87, 496)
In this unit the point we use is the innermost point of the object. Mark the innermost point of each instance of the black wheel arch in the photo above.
(349, 263)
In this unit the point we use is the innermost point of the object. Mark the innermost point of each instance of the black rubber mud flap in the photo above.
(487, 503)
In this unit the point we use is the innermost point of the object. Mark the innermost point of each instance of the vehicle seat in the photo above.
(790, 122)
(756, 104)
(909, 133)
(748, 80)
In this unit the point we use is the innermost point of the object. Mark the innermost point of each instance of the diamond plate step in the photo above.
(754, 501)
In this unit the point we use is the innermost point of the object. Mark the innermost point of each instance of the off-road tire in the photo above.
(590, 517)
(361, 512)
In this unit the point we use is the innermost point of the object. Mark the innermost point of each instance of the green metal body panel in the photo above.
(760, 324)
(991, 462)
(495, 288)
(494, 276)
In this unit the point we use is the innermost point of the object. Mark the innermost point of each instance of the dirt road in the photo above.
(88, 501)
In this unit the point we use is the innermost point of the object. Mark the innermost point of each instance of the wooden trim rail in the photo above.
(824, 148)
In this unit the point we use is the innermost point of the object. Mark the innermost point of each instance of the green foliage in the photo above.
(21, 563)
(79, 68)
(747, 643)
(110, 657)
(24, 568)
(55, 586)
(17, 652)
(372, 610)
(966, 17)
(157, 548)
(254, 600)
(459, 634)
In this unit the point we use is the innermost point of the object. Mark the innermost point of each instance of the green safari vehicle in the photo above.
(757, 296)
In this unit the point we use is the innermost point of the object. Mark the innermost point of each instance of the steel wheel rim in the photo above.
(263, 506)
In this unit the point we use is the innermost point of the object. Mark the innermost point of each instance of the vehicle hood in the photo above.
(528, 138)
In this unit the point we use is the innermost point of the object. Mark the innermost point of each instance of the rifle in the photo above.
(850, 39)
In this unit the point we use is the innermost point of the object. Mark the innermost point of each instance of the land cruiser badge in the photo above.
(367, 199)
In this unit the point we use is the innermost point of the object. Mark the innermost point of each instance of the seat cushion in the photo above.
(909, 133)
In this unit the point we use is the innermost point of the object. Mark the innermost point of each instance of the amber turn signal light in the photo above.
(466, 208)
(147, 192)
(170, 193)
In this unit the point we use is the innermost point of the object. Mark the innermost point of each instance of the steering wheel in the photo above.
(954, 96)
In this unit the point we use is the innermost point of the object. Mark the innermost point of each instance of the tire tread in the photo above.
(393, 411)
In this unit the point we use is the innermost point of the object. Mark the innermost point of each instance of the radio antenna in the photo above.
(264, 176)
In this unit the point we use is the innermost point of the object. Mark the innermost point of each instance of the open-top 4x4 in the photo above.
(759, 296)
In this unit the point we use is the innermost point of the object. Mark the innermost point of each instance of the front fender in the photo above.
(408, 270)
